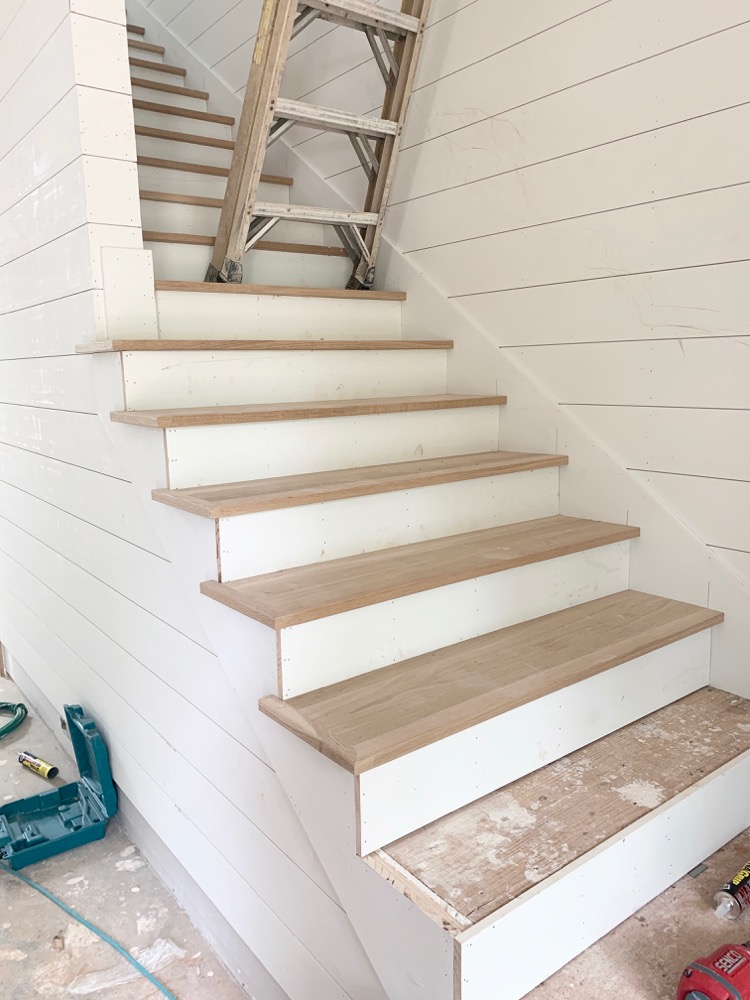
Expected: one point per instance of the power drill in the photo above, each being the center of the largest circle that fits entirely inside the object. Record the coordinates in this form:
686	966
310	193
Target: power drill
722	975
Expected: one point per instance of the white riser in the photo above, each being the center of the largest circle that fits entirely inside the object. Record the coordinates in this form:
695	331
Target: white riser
406	794
199	378
163	97
227	315
185	152
340	646
184	182
173	123
155	74
278	539
205	455
182	262
559	918
172	217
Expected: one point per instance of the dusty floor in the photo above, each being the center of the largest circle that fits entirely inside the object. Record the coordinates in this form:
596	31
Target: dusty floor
112	886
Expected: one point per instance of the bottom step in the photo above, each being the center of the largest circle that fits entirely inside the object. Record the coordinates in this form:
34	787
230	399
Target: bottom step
528	877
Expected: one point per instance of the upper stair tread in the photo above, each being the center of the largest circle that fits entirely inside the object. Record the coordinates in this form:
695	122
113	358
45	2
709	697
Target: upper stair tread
136	29
231	499
489	853
295	291
190	138
204	240
146	47
333	119
168	88
379	716
171	109
362	12
109	346
159	67
205	416
307	593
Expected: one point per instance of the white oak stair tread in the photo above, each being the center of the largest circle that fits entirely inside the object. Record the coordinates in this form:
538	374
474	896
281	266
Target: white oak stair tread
159	67
199	240
249	413
202	168
307	593
255	495
168	88
379	716
186	137
294	291
180	198
146	47
136	29
487	854
114	346
171	109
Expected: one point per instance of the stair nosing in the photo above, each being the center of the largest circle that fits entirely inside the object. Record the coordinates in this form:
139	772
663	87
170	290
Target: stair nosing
424	729
389	588
185	499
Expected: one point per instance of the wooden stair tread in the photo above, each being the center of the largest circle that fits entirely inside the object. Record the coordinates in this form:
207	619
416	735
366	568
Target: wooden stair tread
159	67
187	137
230	499
133	43
136	29
380	716
178	198
487	854
114	346
195	239
168	88
182	165
170	109
307	593
246	413
294	291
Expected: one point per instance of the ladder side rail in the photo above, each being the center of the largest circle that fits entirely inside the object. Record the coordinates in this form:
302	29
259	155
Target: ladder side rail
395	107
264	80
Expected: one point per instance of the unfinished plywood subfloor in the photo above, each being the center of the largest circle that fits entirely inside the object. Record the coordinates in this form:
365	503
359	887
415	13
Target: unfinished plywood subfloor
492	851
109	882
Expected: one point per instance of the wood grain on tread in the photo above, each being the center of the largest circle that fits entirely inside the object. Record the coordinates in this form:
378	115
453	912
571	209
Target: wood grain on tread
489	853
230	499
146	47
182	165
251	413
110	346
168	88
170	109
178	198
136	29
159	67
194	239
293	291
307	593
186	137
377	717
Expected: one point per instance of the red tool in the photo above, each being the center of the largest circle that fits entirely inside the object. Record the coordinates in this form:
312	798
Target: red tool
723	975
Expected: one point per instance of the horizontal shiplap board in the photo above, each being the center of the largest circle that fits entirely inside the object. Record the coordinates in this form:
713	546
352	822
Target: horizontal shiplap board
716	509
75	438
681	84
684	441
698	302
108	503
26	36
48	329
61	383
636	170
690	231
106	123
645	373
106	10
100	54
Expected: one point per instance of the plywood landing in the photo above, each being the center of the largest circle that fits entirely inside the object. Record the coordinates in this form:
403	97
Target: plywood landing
306	593
489	853
377	717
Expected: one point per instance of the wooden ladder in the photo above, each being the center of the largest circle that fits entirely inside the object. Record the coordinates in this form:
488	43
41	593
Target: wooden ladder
395	38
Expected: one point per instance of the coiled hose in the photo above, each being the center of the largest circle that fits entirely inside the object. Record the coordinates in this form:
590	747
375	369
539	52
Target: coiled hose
17	712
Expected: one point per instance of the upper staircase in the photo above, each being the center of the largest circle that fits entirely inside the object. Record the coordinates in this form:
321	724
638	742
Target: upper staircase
469	707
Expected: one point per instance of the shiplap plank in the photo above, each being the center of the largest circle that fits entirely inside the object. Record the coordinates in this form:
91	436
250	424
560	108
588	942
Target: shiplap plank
196	18
61	383
75	438
664	372
106	124
47	329
739	561
26	37
716	509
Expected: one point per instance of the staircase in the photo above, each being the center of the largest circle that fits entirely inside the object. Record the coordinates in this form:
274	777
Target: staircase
498	750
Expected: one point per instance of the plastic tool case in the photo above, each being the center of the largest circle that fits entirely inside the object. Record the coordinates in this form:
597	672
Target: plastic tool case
53	822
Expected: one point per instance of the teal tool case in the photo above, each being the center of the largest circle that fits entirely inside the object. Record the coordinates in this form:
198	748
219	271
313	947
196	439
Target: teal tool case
56	821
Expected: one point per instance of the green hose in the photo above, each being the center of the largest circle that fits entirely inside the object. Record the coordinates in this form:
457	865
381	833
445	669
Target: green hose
18	713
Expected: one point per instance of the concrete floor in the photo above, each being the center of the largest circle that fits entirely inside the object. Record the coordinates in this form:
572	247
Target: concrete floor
112	886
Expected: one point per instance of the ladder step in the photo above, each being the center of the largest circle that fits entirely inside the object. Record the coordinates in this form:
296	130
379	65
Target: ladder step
319	590
354	13
333	120
170	109
253	413
369	720
305	213
159	67
255	495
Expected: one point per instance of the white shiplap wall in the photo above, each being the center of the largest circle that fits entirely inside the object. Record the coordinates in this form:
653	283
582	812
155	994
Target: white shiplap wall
91	609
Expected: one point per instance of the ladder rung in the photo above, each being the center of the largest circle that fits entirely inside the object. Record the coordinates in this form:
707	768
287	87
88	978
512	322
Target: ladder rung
305	213
333	120
360	12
